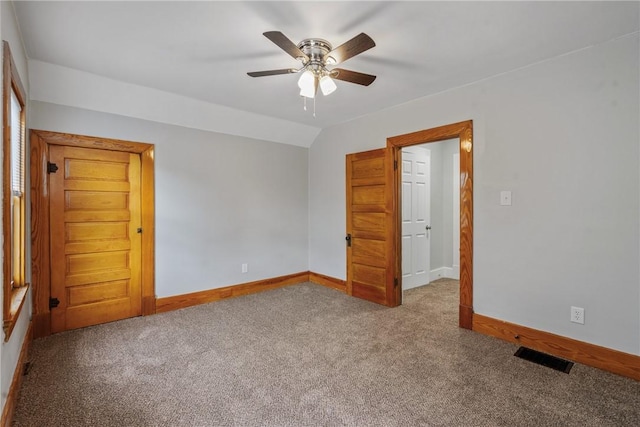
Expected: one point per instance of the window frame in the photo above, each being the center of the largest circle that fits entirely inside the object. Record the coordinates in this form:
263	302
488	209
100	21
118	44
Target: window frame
14	293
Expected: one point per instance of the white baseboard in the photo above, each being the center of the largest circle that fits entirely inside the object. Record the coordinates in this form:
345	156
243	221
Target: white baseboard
446	272
456	272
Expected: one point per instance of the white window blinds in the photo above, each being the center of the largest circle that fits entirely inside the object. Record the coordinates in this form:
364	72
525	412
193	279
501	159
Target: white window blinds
17	147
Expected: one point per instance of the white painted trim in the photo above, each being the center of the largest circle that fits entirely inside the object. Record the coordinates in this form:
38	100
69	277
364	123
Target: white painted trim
455	272
65	86
443	272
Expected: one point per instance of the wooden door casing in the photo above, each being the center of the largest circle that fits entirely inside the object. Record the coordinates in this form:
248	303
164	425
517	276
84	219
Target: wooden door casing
463	131
371	262
40	144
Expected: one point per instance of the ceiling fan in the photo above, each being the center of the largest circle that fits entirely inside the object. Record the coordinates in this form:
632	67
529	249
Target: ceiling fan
317	56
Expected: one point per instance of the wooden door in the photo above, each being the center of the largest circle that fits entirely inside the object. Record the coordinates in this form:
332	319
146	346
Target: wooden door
371	228
95	243
416	216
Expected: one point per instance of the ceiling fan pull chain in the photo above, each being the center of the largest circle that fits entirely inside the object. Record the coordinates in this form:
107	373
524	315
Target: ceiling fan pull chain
314	106
305	103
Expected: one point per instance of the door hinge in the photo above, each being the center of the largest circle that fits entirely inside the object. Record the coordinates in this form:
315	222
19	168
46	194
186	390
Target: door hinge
348	239
53	302
395	165
52	167
395	282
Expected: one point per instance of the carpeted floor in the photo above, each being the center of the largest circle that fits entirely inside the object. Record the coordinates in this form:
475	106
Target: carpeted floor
306	355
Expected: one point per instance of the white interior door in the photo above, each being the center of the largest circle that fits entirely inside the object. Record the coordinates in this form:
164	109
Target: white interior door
416	216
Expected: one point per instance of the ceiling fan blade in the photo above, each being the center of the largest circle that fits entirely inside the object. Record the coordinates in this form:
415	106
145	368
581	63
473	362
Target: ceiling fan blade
349	49
272	72
285	44
352	76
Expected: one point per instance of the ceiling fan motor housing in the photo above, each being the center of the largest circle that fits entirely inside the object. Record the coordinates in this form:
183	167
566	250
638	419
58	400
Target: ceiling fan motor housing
316	50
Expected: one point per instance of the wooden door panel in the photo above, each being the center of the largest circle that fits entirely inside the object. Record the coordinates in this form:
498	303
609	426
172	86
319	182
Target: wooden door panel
88	154
97	186
97	215
369	195
96	200
98	261
369	283
96	170
95	247
368	248
97	313
371	262
364	168
79	232
98	246
85	294
96	277
373	221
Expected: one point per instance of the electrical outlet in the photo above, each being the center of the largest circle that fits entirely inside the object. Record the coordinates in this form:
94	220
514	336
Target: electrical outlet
577	315
245	268
505	198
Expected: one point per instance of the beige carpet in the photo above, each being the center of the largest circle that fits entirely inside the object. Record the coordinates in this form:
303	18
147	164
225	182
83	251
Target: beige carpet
306	355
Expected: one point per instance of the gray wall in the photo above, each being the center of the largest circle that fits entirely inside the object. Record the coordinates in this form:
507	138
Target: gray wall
221	200
436	236
448	149
442	202
563	136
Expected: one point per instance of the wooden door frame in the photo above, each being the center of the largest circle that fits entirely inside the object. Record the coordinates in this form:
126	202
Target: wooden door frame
463	131
40	250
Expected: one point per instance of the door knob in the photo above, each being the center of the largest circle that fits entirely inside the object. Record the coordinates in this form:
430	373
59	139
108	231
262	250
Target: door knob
428	227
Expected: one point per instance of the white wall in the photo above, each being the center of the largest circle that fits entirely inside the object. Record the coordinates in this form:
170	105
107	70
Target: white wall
449	148
436	234
65	86
10	351
442	206
563	136
221	200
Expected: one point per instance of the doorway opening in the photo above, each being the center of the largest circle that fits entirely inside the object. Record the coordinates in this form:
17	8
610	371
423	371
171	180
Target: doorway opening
430	213
463	132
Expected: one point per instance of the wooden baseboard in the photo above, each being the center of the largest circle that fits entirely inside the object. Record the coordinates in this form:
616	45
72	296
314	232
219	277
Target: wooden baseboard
187	300
16	382
148	306
41	325
607	359
330	282
465	316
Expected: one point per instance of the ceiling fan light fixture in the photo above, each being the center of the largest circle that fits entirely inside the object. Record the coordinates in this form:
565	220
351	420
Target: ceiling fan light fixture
327	85
308	93
315	54
307	84
306	79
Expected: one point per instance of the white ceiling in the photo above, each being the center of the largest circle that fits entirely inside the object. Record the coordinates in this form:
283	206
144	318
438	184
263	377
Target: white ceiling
203	50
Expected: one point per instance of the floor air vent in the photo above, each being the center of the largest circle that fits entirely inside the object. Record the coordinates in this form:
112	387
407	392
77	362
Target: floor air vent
544	359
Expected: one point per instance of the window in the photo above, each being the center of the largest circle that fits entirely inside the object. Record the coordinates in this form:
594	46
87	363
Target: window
13	192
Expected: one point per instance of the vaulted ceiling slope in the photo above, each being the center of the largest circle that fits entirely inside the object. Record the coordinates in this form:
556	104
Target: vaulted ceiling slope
203	50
